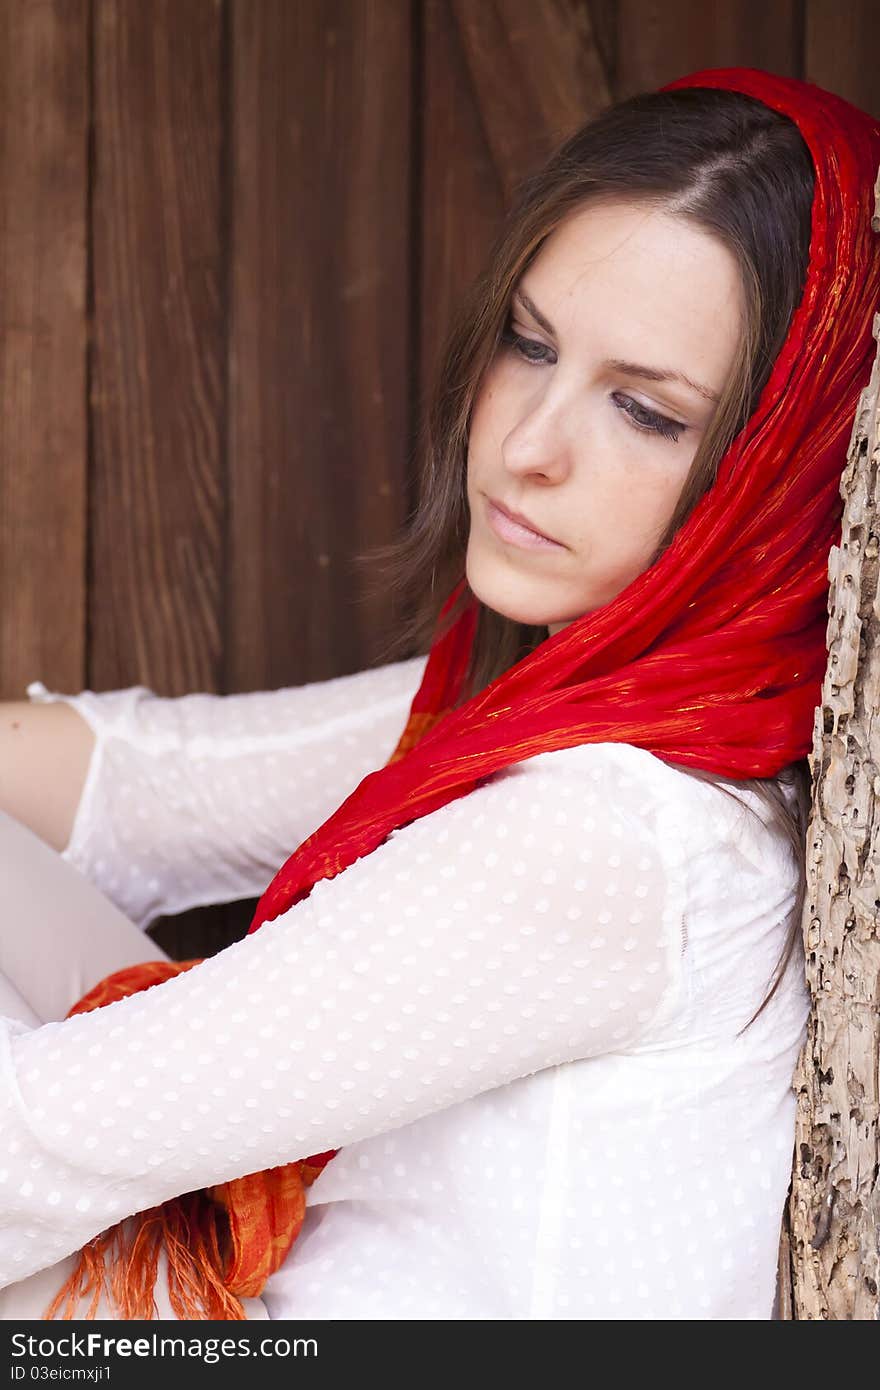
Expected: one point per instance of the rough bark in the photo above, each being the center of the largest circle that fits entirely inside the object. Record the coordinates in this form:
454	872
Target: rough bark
830	1249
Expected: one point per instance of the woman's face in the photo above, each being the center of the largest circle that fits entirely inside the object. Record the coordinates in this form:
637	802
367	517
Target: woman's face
582	422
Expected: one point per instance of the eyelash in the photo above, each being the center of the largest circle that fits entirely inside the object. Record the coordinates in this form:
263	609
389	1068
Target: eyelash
648	421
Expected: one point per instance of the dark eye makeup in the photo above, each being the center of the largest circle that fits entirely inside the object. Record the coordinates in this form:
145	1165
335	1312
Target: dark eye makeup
648	421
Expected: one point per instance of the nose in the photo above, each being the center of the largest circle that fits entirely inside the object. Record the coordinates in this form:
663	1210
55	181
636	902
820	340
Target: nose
539	444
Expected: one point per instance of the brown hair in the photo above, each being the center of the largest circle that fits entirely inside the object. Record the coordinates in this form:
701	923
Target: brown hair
725	163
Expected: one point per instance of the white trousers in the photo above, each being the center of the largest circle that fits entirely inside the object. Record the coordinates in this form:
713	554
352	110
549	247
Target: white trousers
58	937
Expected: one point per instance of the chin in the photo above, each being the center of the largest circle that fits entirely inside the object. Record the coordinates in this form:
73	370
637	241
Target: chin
513	596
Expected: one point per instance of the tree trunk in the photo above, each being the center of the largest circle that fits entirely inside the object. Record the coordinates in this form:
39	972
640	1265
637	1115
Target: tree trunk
830	1249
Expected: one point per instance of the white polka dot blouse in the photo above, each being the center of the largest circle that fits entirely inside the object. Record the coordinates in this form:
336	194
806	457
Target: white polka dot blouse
517	1019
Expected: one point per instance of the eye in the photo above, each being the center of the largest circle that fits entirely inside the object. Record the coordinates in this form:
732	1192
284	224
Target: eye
639	416
644	419
522	345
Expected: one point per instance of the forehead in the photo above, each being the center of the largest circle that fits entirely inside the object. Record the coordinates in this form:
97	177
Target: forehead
636	254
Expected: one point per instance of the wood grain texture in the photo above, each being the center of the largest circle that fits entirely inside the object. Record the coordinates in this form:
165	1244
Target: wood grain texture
659	40
158	376
44	78
535	75
603	19
320	330
462	194
839	40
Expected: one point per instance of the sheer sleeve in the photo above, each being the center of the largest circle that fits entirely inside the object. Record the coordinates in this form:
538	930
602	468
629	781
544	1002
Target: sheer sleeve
534	921
199	799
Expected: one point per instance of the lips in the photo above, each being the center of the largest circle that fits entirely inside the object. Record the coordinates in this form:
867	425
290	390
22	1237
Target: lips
517	533
522	520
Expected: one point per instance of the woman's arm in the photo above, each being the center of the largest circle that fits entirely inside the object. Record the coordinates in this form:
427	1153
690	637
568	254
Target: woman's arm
534	921
44	758
199	799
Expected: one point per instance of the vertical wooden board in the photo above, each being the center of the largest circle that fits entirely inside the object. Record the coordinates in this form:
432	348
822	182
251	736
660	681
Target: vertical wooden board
535	74
503	84
319	330
158	393
659	40
43	164
462	192
842	42
603	15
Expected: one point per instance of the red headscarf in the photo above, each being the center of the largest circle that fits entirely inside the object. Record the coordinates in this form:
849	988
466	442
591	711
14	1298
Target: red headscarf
712	658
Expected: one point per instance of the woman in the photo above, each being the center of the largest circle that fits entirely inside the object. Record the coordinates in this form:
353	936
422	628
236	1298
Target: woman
510	1000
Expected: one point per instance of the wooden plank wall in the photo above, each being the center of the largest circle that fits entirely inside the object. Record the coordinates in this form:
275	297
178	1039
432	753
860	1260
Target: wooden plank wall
320	321
44	115
158	382
232	236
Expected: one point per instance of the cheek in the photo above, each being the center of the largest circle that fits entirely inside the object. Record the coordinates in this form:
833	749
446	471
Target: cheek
493	411
481	427
621	511
656	493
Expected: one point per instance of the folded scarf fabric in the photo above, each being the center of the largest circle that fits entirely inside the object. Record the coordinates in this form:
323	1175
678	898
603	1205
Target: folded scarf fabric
713	658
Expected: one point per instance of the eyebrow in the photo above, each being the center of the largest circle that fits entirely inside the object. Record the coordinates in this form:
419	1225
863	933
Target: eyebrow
628	368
